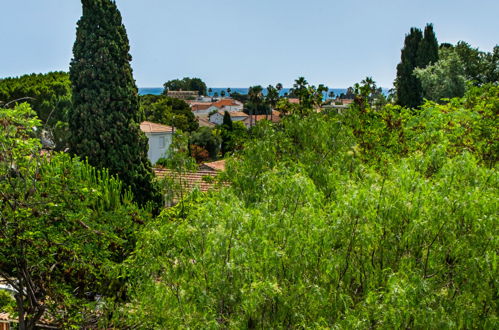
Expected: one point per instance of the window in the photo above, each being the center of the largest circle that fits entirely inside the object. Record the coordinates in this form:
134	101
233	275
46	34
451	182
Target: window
162	142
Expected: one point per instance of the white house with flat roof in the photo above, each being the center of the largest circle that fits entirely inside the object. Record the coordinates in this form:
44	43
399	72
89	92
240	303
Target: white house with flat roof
160	138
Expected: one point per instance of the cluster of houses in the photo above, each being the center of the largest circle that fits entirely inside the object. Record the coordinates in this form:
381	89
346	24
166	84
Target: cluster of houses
210	113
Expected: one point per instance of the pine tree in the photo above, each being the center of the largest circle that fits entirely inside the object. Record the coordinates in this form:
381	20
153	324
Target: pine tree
105	118
409	92
428	48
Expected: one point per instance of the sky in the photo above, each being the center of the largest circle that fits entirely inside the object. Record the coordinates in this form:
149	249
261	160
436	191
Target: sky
239	43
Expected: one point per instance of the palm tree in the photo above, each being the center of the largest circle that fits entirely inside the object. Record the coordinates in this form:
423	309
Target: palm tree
278	86
300	87
272	98
255	95
228	91
222	93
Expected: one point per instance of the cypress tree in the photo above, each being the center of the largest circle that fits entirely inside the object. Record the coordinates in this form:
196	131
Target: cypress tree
105	117
227	121
227	129
428	48
409	91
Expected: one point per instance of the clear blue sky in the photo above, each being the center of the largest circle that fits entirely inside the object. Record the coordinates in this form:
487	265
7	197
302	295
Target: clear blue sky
239	43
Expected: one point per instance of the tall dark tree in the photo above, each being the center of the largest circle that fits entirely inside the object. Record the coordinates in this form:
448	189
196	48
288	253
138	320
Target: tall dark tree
428	48
226	131
409	91
105	117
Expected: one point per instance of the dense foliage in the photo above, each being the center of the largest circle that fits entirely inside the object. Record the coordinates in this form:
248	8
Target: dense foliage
105	116
364	219
168	111
480	67
207	139
64	226
186	84
49	95
443	79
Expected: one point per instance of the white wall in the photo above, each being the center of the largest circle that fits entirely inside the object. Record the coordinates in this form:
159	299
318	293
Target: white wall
217	118
159	143
232	108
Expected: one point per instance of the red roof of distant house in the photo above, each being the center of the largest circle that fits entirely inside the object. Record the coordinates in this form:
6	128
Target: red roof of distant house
346	101
149	127
204	121
225	103
219	165
294	101
189	180
234	113
276	117
200	106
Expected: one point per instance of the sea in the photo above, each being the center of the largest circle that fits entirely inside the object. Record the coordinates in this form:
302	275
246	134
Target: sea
218	90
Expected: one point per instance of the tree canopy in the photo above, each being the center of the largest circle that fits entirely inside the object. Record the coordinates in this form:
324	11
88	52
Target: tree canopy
168	111
48	94
443	79
186	84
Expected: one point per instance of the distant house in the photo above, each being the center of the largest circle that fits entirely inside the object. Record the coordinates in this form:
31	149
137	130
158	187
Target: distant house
229	105
204	108
275	118
183	95
218	118
204	121
201	108
160	138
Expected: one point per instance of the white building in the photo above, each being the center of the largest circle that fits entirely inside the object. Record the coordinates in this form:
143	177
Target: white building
230	105
160	138
218	118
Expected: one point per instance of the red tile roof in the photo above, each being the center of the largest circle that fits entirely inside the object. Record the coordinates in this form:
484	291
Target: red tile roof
204	121
235	113
190	180
226	103
276	117
148	127
219	165
200	106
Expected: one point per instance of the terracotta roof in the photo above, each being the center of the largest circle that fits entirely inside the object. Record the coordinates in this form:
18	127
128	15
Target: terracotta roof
204	121
276	117
148	127
219	165
294	100
190	180
226	102
200	106
234	113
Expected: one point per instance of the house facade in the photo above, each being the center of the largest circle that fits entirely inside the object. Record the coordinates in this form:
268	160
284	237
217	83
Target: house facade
218	118
160	138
